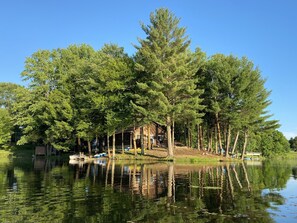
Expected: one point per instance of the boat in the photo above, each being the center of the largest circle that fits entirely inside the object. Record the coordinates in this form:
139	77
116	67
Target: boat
100	155
77	162
79	156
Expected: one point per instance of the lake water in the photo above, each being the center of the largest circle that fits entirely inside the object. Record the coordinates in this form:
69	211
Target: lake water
43	190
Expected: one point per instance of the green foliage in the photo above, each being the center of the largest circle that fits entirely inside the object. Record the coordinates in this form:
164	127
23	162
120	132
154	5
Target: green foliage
73	92
235	99
273	143
78	92
166	85
293	143
45	112
5	127
9	94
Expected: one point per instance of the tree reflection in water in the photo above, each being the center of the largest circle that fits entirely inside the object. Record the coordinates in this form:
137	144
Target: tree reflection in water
147	192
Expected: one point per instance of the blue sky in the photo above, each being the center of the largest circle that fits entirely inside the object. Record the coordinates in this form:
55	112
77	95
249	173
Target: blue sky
263	30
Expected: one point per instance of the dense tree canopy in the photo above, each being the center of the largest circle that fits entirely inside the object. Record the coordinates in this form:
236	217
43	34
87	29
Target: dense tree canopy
235	101
293	143
79	93
273	142
5	127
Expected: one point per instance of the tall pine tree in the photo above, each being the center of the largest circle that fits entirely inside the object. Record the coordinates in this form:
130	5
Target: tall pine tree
167	74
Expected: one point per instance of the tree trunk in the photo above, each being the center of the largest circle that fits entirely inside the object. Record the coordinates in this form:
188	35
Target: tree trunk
131	140
97	142
89	148
219	134
246	176
235	142
201	138
112	173
216	140
236	177
149	145
141	180
107	142
228	140
157	134
113	145
170	185
210	141
169	139
107	172
244	145
100	146
134	180
79	144
230	181
121	181
123	149
88	170
148	181
189	137
198	137
225	133
173	146
134	141
185	135
141	140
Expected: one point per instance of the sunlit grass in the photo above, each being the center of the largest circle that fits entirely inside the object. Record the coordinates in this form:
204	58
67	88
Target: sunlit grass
197	159
292	155
130	156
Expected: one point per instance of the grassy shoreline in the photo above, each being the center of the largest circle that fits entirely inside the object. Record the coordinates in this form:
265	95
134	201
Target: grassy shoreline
182	155
290	155
192	156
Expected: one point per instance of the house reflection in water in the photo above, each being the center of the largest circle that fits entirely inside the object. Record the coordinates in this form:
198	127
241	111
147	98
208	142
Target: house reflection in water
147	180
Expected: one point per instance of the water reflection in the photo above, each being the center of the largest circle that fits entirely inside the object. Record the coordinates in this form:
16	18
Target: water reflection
105	191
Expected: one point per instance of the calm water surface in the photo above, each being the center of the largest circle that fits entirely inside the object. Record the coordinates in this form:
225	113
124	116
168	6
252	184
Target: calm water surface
43	190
